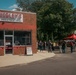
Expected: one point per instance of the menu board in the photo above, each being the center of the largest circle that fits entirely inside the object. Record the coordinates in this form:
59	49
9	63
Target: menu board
29	51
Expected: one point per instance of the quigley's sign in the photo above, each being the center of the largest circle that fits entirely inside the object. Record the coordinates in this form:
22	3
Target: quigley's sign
11	17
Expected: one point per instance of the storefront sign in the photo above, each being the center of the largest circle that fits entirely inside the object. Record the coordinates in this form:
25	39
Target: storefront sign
11	17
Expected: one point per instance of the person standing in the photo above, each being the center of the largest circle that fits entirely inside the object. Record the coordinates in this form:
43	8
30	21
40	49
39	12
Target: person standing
52	46
49	46
63	46
40	45
71	46
44	45
60	46
74	45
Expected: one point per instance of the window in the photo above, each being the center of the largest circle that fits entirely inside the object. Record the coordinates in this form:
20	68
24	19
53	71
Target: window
8	32
22	38
1	38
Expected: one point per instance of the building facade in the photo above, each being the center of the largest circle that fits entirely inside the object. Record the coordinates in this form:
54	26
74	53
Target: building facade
17	32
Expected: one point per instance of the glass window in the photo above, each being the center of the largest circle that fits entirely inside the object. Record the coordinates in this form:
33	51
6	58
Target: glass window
1	38
22	38
8	32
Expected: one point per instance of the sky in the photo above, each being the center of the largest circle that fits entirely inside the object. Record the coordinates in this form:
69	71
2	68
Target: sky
7	4
11	4
73	2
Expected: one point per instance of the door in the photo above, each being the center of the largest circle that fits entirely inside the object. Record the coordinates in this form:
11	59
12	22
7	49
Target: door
8	45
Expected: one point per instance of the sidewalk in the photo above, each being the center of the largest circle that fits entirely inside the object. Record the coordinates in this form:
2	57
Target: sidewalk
9	59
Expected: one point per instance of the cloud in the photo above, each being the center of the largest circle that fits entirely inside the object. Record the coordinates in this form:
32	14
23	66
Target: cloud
13	9
13	6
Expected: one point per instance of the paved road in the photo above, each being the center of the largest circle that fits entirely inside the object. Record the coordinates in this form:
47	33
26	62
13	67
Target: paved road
61	64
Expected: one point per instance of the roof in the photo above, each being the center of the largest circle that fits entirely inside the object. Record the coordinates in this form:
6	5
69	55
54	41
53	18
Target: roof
18	11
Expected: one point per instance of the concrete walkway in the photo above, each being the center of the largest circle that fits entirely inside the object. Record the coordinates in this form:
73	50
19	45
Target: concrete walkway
9	59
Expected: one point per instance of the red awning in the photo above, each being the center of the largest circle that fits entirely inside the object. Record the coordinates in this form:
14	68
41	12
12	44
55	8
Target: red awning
70	37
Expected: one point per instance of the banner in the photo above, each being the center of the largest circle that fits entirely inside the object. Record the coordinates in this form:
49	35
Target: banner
11	17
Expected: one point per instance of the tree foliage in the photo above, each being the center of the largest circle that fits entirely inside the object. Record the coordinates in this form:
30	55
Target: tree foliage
24	4
74	16
55	18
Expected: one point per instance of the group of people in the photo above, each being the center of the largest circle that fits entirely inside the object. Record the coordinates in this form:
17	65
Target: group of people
46	46
63	45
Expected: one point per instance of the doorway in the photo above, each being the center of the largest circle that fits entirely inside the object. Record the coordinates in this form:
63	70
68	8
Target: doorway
8	44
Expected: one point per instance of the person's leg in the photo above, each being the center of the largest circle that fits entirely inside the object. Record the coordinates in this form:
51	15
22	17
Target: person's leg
48	49
71	49
63	50
60	49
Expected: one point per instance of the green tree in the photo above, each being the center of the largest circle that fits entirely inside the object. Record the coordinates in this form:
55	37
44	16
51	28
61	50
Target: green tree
74	17
24	4
36	5
55	18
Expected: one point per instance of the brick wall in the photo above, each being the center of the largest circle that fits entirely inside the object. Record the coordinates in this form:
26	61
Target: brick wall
1	51
28	24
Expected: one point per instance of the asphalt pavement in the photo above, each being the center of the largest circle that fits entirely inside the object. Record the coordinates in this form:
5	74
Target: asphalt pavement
60	64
